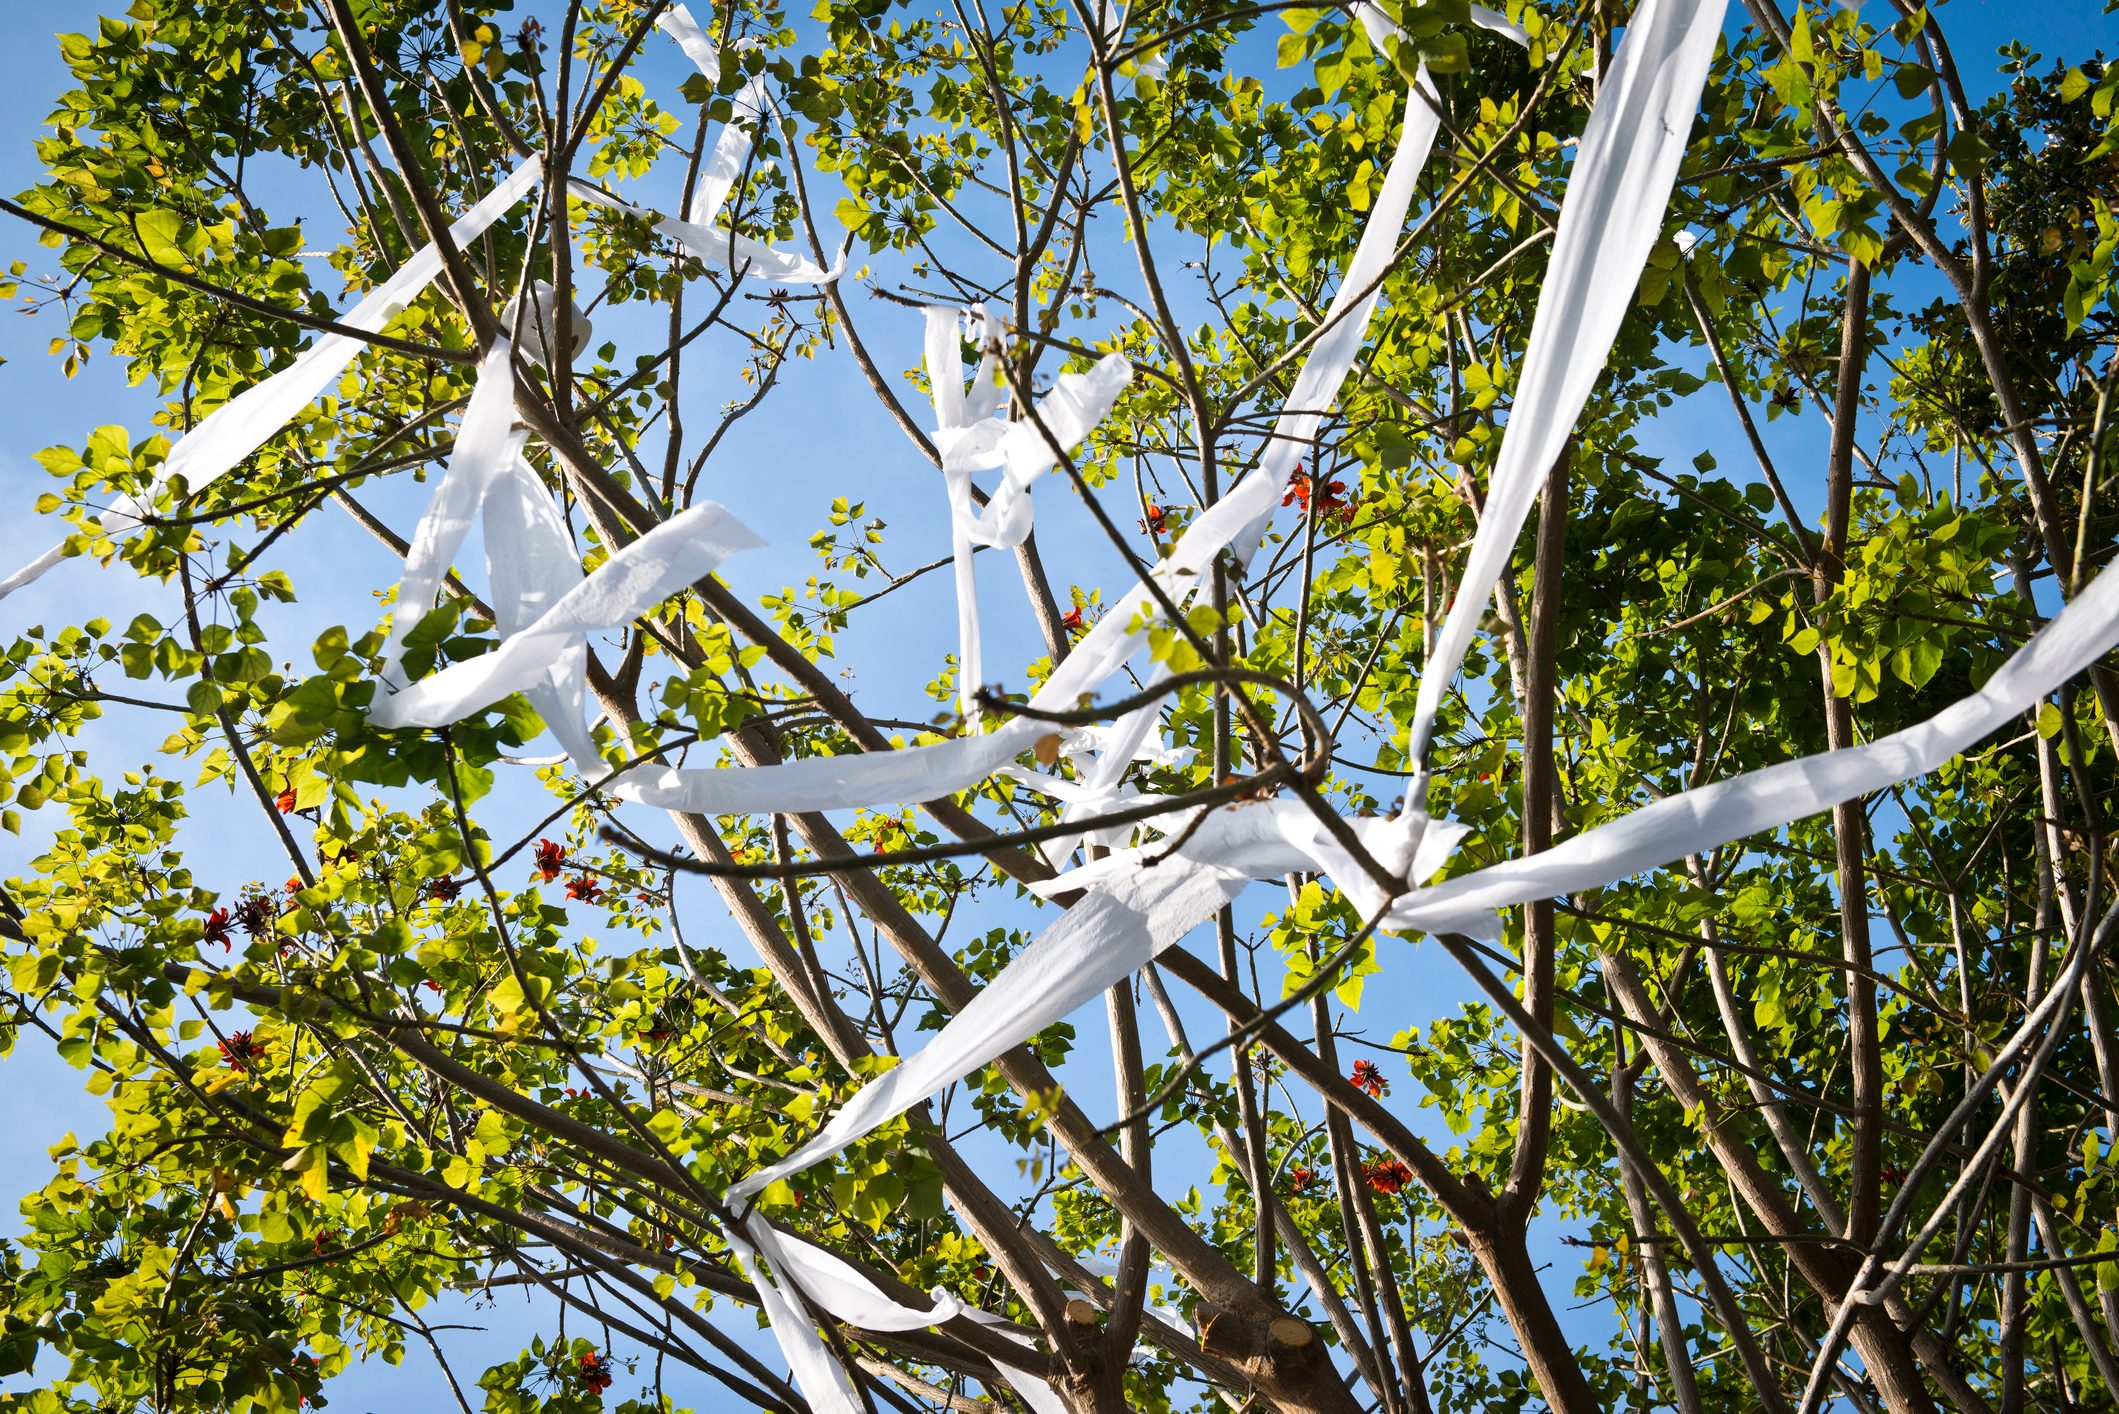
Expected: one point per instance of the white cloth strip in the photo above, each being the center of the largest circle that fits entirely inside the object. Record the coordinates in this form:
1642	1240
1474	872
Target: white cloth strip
1103	939
968	437
1346	324
680	551
816	1369
1381	28
724	166
1766	799
721	248
530	566
1609	221
945	378
1265	839
1077	402
487	441
1036	1393
678	24
1113	750
1111	26
247	421
1139	903
837	1286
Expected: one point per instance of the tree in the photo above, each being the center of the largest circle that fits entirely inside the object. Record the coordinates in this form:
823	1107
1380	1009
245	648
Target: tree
1816	1110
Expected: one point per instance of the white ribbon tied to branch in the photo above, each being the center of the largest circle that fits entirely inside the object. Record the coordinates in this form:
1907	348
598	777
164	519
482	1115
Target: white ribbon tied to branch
970	436
247	421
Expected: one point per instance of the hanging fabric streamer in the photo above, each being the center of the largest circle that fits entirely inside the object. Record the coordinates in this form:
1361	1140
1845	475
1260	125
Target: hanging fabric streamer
247	421
730	251
724	166
678	24
1609	221
970	437
1023	453
675	554
1346	322
954	418
1137	905
817	1371
530	566
1107	936
739	255
1732	809
487	440
1111	28
840	1287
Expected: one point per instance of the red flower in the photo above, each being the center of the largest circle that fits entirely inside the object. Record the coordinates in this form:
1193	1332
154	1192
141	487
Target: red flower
1387	1175
1330	496
256	914
217	927
294	885
284	801
1152	523
656	1034
1073	618
1300	1180
595	1372
583	887
1367	1077
241	1052
551	859
444	890
325	1242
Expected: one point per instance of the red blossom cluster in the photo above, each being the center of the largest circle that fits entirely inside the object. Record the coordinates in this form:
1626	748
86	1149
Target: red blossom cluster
1387	1175
1301	1180
1329	496
1367	1077
257	914
217	927
444	890
595	1372
242	1050
284	801
585	888
1154	521
325	1242
1072	619
551	860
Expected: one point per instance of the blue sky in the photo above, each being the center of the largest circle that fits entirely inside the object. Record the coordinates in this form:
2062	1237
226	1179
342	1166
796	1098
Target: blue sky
780	483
